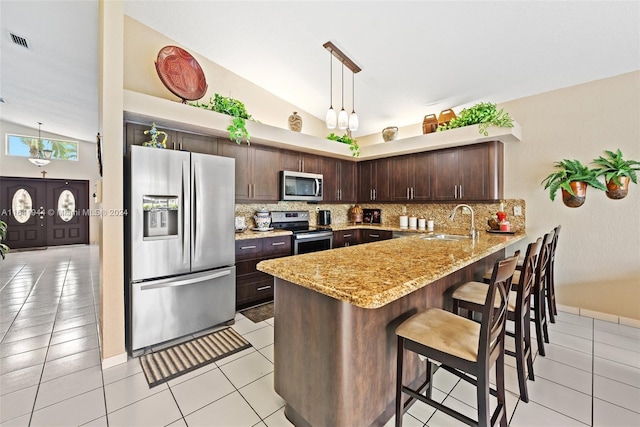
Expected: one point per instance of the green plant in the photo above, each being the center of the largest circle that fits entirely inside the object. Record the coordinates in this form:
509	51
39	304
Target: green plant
345	139
484	114
231	107
570	171
615	166
3	235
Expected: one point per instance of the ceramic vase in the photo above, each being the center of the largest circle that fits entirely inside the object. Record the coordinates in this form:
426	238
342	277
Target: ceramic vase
295	122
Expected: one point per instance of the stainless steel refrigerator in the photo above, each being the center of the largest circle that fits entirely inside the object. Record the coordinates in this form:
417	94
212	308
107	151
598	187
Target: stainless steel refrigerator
182	251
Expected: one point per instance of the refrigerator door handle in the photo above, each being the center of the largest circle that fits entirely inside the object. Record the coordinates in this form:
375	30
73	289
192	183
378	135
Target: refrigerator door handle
172	283
186	226
195	238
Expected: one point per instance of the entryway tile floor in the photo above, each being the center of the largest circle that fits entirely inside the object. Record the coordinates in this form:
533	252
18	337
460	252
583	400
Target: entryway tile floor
50	366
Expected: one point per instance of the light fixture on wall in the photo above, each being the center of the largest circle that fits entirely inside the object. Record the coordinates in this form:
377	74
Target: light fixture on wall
39	157
343	121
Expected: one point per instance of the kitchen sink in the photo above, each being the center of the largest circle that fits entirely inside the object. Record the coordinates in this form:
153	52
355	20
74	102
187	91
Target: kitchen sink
446	237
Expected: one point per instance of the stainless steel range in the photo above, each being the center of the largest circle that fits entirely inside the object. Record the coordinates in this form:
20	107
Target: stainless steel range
305	238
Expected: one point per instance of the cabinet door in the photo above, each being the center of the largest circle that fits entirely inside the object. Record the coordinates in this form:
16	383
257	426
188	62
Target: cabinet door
265	169
366	181
311	163
382	179
367	235
331	180
481	171
347	181
399	171
136	136
444	175
420	177
241	153
290	161
197	143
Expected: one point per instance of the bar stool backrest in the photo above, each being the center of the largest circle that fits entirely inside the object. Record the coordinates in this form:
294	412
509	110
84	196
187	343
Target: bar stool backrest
494	316
527	276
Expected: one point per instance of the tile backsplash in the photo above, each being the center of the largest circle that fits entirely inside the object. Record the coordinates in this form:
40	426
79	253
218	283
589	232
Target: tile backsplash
391	212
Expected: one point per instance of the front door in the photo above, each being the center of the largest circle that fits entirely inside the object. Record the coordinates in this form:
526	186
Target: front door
44	212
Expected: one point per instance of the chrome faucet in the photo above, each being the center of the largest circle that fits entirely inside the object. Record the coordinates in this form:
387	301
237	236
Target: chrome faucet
472	231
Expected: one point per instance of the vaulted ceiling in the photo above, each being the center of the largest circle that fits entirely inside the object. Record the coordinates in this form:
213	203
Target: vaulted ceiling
417	57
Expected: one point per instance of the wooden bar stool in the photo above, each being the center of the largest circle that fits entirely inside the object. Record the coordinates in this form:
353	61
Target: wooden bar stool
472	295
463	347
550	284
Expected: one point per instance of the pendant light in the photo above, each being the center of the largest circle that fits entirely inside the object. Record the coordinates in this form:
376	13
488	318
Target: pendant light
331	119
343	117
353	118
42	158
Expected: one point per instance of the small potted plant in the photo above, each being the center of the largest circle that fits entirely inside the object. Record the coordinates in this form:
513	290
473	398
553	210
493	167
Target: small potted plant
234	108
617	173
346	139
573	178
3	235
484	114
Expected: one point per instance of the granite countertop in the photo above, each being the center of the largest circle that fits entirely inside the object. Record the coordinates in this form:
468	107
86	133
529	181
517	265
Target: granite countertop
250	234
375	274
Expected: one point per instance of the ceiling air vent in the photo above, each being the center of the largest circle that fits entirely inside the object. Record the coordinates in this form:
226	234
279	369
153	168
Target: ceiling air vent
20	41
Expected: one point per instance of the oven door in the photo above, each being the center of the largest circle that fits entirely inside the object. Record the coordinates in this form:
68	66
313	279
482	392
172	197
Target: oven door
304	243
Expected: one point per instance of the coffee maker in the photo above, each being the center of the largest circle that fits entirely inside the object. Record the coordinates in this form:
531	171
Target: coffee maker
324	217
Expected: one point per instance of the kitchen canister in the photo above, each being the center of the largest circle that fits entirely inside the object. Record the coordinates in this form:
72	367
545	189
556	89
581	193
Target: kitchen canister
430	224
413	221
262	218
422	223
404	221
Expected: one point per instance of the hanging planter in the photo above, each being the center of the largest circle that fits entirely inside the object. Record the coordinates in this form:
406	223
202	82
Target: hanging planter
573	178
617	173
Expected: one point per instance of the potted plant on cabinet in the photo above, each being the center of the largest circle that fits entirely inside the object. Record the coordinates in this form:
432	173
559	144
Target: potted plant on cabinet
3	235
617	173
231	107
573	178
484	114
346	139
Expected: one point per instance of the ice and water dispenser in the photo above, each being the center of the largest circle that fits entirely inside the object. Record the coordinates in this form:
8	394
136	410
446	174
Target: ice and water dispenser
160	217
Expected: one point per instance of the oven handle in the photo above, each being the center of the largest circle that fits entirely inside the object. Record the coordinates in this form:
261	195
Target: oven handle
313	235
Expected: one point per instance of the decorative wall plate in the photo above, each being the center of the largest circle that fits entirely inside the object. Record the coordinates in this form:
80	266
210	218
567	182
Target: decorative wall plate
181	73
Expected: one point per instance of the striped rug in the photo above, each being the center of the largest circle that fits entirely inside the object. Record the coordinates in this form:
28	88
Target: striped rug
164	365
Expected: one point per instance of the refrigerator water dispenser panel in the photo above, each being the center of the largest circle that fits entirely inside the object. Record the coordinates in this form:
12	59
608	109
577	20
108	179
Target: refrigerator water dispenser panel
160	217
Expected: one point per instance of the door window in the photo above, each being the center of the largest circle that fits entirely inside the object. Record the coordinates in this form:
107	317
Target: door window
21	205
66	205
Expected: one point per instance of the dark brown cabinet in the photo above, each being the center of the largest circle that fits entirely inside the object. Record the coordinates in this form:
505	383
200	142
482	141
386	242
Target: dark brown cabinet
470	173
346	238
300	162
176	140
339	180
410	177
371	235
374	181
257	170
252	286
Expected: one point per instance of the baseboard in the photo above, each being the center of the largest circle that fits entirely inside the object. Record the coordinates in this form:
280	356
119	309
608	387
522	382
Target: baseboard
627	321
112	361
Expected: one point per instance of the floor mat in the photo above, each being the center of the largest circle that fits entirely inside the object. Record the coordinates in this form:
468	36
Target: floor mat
169	363
259	313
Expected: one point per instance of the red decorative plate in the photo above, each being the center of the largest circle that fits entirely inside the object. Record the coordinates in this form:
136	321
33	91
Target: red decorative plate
181	73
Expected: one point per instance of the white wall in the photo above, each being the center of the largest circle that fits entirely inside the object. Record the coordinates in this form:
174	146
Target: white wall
598	258
86	168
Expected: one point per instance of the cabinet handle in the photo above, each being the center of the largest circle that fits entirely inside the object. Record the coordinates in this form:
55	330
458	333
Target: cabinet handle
370	194
413	193
339	193
247	247
374	235
263	288
407	193
277	244
461	191
346	244
180	145
455	191
174	145
302	161
346	235
375	194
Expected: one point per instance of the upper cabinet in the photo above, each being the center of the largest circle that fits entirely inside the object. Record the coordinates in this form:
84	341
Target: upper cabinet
257	171
374	181
339	180
470	173
410	177
300	162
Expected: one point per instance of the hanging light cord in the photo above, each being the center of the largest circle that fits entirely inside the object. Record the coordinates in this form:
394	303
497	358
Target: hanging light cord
353	93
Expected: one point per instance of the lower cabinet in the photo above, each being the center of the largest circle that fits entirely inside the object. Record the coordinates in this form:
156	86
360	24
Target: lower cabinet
252	286
357	236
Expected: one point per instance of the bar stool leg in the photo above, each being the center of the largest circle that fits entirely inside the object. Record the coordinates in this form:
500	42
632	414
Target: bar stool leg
520	356
399	371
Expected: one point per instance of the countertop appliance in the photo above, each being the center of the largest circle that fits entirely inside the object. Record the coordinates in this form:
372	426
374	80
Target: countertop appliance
305	238
181	256
300	186
324	217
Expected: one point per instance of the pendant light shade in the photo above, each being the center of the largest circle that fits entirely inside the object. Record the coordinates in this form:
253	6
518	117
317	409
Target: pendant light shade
331	118
353	118
343	117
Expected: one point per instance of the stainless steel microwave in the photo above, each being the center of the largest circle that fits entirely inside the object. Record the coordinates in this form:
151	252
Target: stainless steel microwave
300	186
